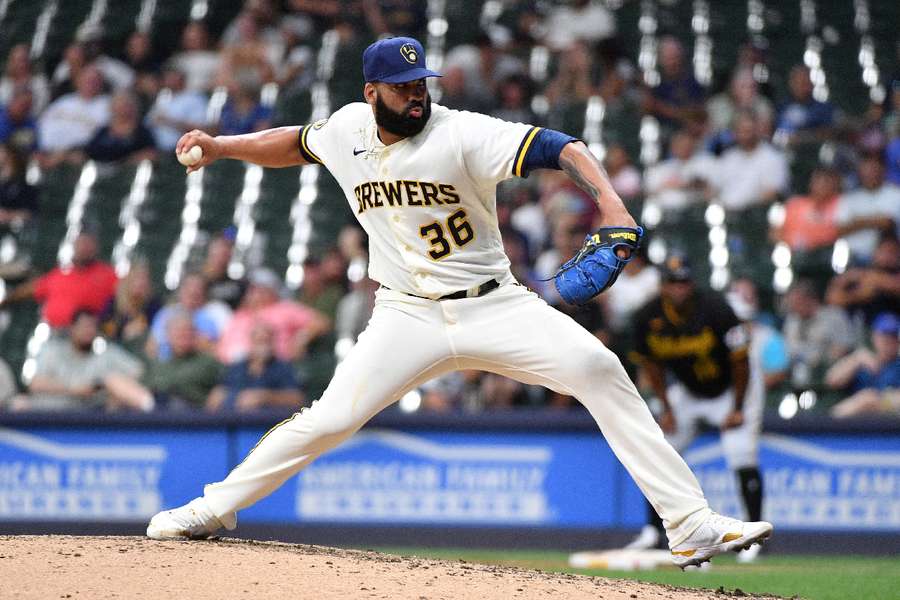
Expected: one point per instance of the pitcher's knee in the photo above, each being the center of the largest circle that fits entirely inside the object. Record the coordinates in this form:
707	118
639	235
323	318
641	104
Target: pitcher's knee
597	365
335	425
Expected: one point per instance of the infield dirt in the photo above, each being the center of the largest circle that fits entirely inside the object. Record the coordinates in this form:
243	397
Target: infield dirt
95	568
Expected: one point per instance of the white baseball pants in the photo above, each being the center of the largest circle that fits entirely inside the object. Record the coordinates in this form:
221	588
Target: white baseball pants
739	444
510	331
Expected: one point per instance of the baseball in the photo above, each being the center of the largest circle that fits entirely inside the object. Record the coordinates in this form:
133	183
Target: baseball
191	157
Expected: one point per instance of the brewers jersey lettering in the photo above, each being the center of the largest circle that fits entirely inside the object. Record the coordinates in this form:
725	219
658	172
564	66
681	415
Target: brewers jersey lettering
427	202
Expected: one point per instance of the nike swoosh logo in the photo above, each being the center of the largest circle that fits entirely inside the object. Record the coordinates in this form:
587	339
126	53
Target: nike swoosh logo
356	152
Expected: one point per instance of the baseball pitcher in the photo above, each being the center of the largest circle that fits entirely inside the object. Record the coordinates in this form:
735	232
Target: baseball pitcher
421	180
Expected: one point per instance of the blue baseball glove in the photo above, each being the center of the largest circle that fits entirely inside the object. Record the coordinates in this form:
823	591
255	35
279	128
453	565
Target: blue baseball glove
596	266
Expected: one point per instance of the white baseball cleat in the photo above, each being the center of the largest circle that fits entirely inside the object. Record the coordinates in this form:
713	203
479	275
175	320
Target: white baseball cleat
193	521
716	535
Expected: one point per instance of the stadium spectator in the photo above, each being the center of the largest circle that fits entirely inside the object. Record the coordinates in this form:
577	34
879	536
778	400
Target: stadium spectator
183	381
742	95
868	211
636	285
752	173
578	21
681	179
803	118
258	381
197	60
87	284
296	70
72	372
17	127
125	138
128	315
568	91
19	74
75	62
190	299
515	100
809	221
768	351
295	325
18	199
816	334
455	91
177	111
243	112
870	290
395	17
871	376
248	56
263	13
623	175
72	120
484	66
677	93
139	56
89	39
892	159
318	290
221	286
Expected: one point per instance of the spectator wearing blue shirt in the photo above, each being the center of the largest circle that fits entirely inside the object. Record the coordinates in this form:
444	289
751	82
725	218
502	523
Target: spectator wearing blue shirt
125	138
243	112
191	299
17	128
873	376
678	95
177	111
259	381
803	118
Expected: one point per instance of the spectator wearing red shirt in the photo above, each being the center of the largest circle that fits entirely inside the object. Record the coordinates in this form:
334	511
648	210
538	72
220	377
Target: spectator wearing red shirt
809	221
294	324
87	284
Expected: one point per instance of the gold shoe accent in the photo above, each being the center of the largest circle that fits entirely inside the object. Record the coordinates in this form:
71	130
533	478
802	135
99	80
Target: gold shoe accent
730	537
683	552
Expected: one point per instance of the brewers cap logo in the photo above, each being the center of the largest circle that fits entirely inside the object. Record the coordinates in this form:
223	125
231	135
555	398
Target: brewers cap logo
409	53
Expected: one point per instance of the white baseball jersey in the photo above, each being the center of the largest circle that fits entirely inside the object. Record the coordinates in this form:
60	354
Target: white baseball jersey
427	202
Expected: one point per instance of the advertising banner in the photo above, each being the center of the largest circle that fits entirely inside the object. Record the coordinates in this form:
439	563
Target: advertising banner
83	475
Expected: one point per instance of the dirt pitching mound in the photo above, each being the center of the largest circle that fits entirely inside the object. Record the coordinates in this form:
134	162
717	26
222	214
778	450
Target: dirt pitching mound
95	568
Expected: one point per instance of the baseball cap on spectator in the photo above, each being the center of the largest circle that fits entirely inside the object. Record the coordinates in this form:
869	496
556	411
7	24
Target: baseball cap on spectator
677	267
886	323
395	60
265	278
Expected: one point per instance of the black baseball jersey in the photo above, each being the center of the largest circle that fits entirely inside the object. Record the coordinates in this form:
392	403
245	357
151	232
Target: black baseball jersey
694	344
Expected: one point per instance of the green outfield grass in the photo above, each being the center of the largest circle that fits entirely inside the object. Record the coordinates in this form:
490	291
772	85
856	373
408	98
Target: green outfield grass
807	577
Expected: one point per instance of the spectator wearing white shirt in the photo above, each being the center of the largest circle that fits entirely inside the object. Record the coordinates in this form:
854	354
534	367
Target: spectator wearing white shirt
176	111
71	121
752	173
19	73
679	181
868	211
90	38
196	60
580	20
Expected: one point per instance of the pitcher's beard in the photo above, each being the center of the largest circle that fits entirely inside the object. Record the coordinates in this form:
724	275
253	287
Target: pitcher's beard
400	123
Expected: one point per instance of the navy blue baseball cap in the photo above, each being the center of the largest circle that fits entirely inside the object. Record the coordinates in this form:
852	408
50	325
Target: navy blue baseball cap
395	60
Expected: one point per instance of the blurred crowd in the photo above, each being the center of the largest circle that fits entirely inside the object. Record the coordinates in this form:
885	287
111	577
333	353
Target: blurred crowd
223	343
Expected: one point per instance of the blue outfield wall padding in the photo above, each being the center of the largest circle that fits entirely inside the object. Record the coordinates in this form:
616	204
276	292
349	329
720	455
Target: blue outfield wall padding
521	472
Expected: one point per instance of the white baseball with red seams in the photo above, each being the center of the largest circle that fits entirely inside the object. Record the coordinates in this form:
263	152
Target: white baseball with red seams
428	205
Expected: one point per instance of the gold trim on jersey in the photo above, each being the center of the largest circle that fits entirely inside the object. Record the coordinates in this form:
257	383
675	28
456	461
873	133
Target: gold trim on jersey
305	152
519	159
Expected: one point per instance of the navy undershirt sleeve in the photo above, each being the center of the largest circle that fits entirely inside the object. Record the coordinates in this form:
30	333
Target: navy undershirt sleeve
543	152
